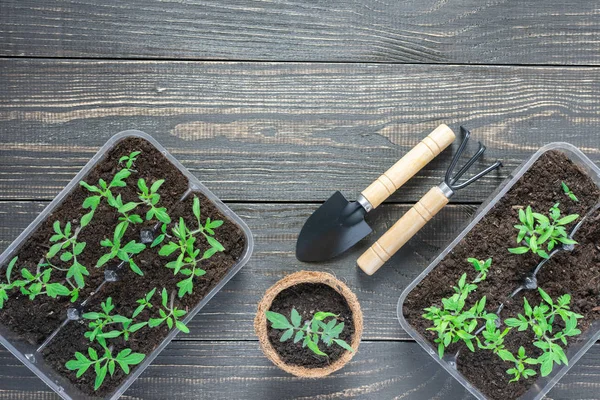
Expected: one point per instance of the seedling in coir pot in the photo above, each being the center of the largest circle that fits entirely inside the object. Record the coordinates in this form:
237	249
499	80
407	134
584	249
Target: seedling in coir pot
540	234
104	325
310	332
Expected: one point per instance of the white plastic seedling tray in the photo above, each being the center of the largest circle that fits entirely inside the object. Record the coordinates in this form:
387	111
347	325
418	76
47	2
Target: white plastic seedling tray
31	355
542	385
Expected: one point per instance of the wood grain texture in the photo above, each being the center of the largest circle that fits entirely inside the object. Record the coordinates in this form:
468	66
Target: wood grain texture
415	31
230	314
284	132
238	370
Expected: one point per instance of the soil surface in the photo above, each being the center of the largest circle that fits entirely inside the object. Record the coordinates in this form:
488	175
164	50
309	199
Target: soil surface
307	299
44	315
576	272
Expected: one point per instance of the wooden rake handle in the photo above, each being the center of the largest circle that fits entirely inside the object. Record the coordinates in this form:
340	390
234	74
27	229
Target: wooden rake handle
410	164
402	231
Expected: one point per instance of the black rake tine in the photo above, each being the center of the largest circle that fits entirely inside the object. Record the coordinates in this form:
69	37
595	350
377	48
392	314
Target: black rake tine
457	156
481	174
469	163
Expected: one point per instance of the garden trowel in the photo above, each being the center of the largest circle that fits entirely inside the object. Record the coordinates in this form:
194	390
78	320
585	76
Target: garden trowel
339	224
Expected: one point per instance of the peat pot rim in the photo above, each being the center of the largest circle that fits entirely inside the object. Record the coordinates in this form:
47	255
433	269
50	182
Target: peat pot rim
260	322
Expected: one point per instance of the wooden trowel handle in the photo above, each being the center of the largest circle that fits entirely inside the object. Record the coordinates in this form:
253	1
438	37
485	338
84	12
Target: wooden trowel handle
410	164
402	231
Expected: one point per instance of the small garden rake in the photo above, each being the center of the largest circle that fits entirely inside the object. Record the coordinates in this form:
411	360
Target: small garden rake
424	210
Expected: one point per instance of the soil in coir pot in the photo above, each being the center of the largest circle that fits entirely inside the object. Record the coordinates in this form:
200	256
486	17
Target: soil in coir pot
307	299
576	273
44	314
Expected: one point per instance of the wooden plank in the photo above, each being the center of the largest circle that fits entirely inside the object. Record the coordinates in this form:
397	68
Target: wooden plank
238	370
283	132
275	227
471	31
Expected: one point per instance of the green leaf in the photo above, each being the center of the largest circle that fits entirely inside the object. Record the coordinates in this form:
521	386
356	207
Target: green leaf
104	259
519	250
209	253
168	249
343	344
91	188
527	307
181	326
91	315
165	297
134	247
158	240
546	367
66	256
286	335
542	254
215	224
78	248
278	321
27	275
214	243
529	216
56	227
127	207
137	327
185	287
506	355
119	177
299	336
315	349
464	335
54	249
9	269
320	316
77	271
481	305
92	353
110	335
544	236
545	296
542	219
196	207
154	322
533	244
296	318
134	267
522	216
56	289
161	215
91	202
567	220
178	263
142	185
156	185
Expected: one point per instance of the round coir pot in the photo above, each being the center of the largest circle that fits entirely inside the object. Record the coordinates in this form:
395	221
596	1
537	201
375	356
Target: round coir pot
309	292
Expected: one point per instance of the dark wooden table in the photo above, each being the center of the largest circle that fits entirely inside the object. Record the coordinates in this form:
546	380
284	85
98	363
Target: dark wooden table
274	105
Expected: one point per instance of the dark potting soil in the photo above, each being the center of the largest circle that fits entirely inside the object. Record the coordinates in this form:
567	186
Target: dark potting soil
307	299
44	314
576	272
